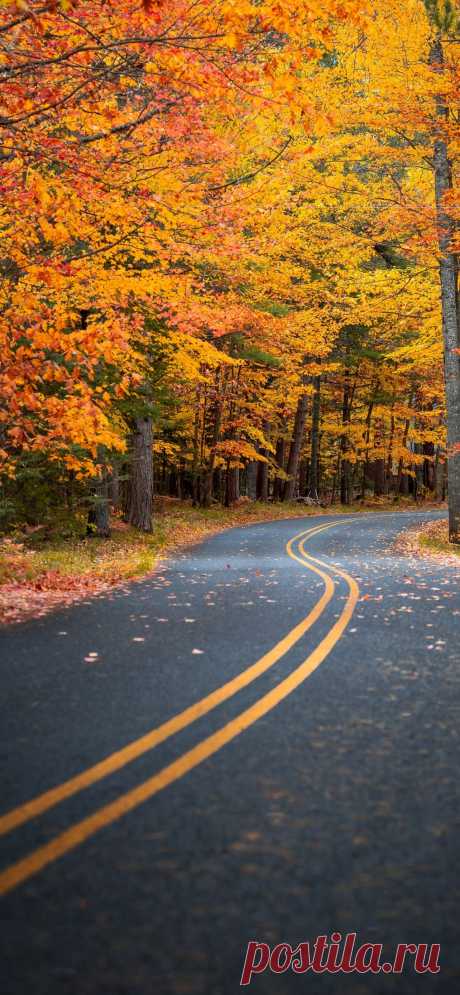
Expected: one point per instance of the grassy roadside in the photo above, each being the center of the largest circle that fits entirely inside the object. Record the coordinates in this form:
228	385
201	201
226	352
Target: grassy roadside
45	567
431	539
434	538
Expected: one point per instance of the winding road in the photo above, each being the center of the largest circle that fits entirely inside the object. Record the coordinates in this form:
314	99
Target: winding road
259	742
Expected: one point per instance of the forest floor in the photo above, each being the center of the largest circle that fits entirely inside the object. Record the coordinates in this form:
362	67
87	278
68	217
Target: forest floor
430	539
44	566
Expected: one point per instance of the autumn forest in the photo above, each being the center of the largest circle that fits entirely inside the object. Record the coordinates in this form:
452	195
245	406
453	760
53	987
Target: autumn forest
229	267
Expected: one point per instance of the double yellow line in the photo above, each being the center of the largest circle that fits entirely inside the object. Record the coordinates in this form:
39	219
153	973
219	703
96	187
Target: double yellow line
81	831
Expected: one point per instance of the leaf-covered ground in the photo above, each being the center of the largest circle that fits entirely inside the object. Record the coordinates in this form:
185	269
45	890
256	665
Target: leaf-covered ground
42	568
430	539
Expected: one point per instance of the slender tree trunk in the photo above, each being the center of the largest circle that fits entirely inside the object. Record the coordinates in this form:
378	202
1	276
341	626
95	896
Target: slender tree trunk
418	467
428	465
389	470
125	489
280	458
216	425
114	485
69	491
379	477
440	478
449	300
399	478
232	486
141	491
232	476
367	440
251	479
262	469
313	485
99	512
295	448
262	482
404	485
179	484
196	450
335	480
303	477
345	469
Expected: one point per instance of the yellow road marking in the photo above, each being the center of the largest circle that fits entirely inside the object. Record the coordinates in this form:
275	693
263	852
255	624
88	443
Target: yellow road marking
42	803
81	831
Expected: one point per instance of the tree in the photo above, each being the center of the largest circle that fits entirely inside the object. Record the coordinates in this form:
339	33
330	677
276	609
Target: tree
448	274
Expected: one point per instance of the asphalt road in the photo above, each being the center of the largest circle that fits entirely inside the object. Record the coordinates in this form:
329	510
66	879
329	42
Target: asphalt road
319	793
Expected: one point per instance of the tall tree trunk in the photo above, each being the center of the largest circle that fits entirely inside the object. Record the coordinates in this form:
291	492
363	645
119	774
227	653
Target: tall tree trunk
303	477
232	486
449	300
378	465
345	468
379	477
180	480
251	479
399	480
367	440
216	425
280	458
418	468
404	485
440	478
140	507
99	512
295	447
335	480
232	476
262	469
313	486
428	465
389	470
196	449
262	482
114	484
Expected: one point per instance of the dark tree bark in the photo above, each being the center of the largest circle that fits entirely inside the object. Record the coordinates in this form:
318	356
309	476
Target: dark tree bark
335	480
280	458
365	477
232	476
313	484
140	506
295	447
232	486
428	466
218	486
448	272
180	480
99	512
262	469
196	451
345	467
440	478
402	480
303	477
379	477
404	487
251	479
418	468
216	425
114	485
262	482
389	465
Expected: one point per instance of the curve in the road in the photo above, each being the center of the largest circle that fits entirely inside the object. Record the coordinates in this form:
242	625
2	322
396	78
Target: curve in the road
36	861
48	799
